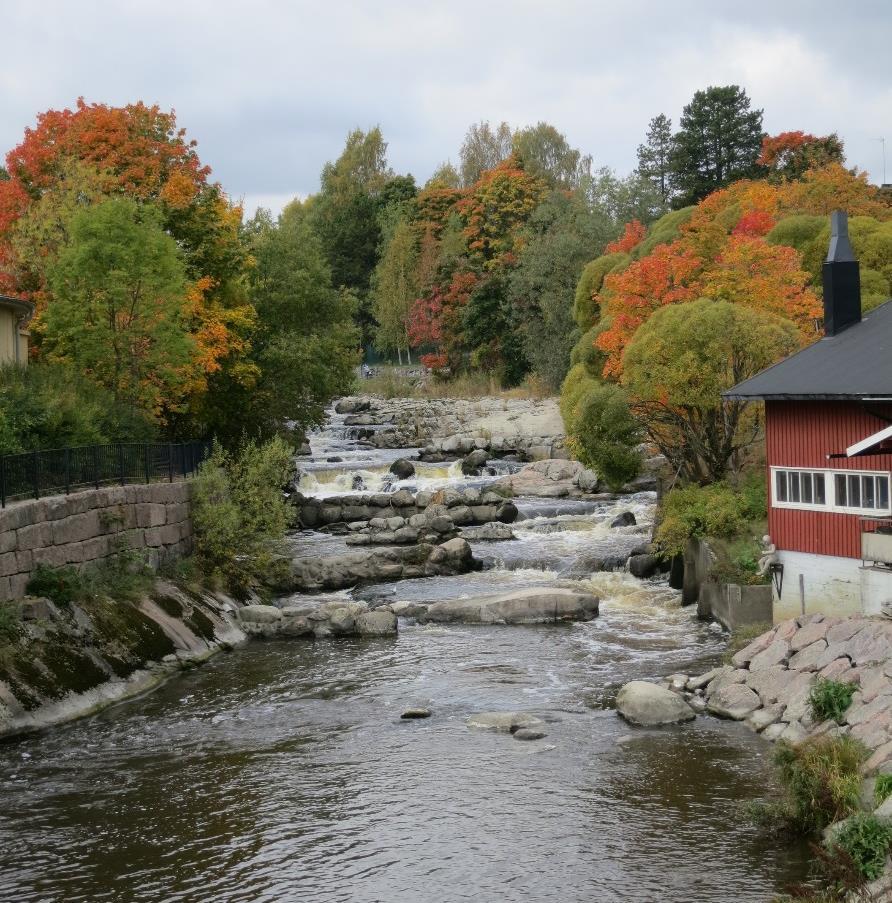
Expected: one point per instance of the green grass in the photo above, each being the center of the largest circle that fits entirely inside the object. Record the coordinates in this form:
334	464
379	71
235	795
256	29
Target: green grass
829	699
867	840
883	788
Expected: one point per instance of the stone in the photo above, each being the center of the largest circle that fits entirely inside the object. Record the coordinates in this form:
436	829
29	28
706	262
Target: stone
773	654
379	622
538	605
507	512
806	659
735	702
773	731
697	683
504	722
844	630
402	469
410	714
839	669
884	810
793	733
471	463
809	634
726	679
859	711
878	759
762	718
260	614
643	566
626	519
647	704
677	682
587	480
494	531
38	608
528	733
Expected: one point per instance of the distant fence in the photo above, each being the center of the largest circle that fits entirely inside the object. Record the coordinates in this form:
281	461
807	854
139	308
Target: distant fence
40	473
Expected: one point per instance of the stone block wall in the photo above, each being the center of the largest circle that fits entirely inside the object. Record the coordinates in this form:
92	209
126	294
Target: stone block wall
85	527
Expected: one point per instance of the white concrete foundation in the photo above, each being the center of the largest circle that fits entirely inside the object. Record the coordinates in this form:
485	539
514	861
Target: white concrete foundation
831	585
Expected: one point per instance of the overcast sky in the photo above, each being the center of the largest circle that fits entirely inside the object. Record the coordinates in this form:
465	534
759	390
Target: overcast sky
270	88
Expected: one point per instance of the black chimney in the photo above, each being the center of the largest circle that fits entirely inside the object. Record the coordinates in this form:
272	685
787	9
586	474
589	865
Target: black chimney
842	281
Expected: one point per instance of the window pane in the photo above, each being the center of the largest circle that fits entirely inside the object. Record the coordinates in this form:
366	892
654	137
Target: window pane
867	485
839	482
854	492
794	486
820	496
883	493
805	483
780	484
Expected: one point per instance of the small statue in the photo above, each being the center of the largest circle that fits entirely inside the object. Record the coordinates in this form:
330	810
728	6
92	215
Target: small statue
768	556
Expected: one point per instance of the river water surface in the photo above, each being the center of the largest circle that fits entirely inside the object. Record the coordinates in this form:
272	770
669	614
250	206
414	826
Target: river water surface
283	771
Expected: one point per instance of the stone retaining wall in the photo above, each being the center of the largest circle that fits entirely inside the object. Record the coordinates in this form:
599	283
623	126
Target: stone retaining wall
88	526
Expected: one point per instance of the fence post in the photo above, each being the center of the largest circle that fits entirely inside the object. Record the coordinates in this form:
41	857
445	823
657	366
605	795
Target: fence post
170	462
3	481
183	455
121	461
67	471
96	465
146	450
36	474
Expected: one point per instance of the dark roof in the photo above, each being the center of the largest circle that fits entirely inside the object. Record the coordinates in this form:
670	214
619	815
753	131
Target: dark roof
854	363
23	307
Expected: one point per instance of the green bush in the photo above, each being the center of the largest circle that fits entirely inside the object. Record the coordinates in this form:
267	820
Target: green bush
240	513
124	576
867	839
822	779
830	699
53	406
61	585
883	788
10	623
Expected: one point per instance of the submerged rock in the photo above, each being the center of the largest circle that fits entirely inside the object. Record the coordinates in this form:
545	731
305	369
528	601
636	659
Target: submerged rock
419	712
505	722
646	704
528	733
492	531
538	605
626	519
402	469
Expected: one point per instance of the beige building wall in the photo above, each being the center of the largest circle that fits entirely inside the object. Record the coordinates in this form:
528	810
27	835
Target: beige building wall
13	339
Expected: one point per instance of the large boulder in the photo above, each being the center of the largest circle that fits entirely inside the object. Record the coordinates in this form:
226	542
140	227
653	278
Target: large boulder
380	622
505	722
734	701
643	566
646	704
402	469
472	462
539	605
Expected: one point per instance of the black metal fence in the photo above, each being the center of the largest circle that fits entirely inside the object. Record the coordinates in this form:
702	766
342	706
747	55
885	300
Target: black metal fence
39	473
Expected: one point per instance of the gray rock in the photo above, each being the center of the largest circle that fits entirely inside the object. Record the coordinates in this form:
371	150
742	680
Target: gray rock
773	654
806	659
507	512
587	480
471	464
38	608
540	605
735	702
492	531
647	704
626	519
697	683
505	722
416	713
402	468
529	733
379	622
260	614
643	566
762	718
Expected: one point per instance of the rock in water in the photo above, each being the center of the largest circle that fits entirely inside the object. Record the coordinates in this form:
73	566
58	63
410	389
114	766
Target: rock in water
643	566
416	713
626	519
471	464
647	704
402	469
505	722
540	605
529	733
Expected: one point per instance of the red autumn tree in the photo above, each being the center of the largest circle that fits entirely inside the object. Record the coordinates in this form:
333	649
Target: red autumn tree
790	155
632	236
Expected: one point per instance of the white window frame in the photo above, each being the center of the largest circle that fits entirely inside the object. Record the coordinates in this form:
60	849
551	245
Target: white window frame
830	504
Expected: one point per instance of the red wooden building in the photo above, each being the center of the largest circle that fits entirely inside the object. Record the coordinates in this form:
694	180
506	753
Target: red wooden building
828	432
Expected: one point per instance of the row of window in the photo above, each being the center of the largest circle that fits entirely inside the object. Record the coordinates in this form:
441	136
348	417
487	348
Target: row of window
827	490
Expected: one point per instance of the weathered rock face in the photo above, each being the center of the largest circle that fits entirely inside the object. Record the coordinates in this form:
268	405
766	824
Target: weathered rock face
647	704
311	574
533	606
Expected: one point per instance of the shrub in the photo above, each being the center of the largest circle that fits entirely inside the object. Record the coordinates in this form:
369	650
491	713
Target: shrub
830	699
240	513
695	512
61	585
867	840
123	576
883	788
10	623
822	779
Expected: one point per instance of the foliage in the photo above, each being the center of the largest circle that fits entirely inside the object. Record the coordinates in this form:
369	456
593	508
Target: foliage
119	309
546	153
46	406
822	778
676	368
696	512
586	310
124	576
718	142
790	155
484	148
867	839
883	788
830	699
395	287
654	155
10	623
240	514
604	435
633	235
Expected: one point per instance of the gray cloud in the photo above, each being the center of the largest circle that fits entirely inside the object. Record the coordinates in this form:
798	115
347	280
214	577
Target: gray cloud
270	89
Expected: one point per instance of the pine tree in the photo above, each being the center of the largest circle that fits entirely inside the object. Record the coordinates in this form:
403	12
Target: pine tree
653	157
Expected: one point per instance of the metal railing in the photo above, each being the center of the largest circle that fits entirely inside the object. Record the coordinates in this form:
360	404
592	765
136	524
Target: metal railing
39	473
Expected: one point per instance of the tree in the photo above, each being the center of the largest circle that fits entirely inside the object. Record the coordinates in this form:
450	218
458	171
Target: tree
395	288
654	155
119	305
718	142
444	176
790	155
546	153
483	149
677	366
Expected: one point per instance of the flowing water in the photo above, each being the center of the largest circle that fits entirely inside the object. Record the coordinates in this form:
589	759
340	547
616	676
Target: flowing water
283	771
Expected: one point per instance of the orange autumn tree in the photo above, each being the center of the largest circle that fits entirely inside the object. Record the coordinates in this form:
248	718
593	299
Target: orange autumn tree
76	157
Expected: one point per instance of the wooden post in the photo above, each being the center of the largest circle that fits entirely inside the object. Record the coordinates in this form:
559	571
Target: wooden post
802	592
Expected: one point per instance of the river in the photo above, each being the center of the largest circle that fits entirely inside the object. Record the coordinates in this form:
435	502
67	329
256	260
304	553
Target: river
283	771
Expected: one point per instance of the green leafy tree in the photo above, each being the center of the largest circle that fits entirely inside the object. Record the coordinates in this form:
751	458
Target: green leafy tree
654	154
395	287
718	142
118	311
678	364
444	176
546	153
484	148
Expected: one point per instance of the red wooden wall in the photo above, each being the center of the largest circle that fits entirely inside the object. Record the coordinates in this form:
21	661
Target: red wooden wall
802	434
